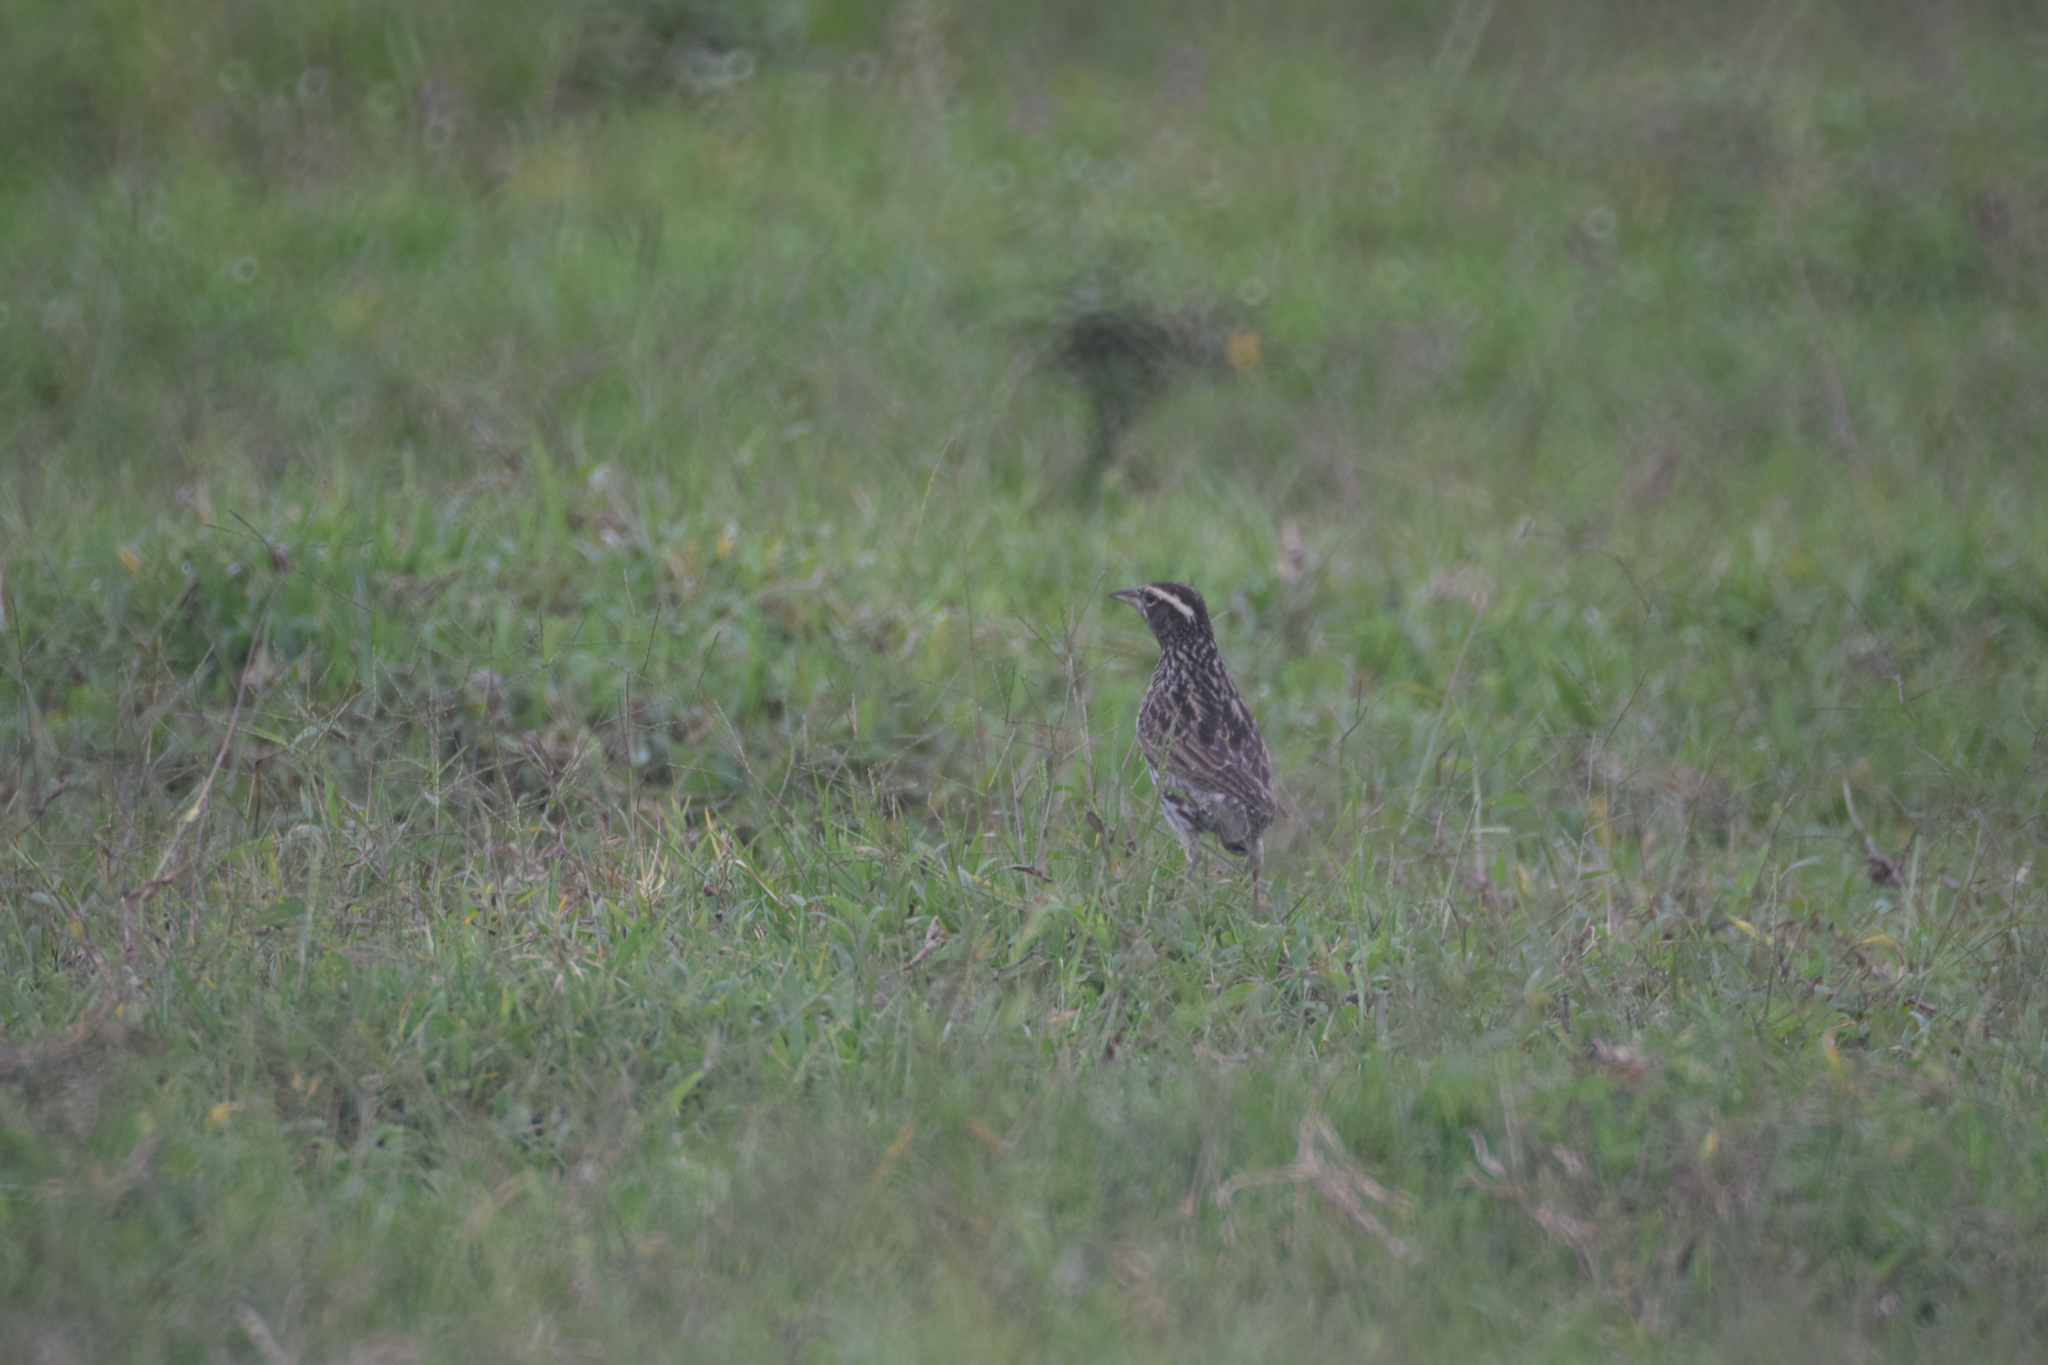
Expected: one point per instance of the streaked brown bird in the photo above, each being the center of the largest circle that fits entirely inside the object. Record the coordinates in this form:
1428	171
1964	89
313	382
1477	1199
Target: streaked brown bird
1200	742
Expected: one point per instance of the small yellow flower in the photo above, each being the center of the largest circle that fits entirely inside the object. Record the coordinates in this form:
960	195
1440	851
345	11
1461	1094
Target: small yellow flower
1242	350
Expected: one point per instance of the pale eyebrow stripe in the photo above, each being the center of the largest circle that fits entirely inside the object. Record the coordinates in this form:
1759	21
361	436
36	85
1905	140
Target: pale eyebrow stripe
1163	595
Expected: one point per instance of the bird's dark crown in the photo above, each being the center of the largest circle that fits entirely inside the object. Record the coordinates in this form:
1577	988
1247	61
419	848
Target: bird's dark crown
1176	612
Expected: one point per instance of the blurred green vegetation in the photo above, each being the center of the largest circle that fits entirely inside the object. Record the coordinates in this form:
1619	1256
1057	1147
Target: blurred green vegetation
567	782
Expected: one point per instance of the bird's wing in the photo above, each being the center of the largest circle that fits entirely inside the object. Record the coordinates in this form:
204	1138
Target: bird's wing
1222	754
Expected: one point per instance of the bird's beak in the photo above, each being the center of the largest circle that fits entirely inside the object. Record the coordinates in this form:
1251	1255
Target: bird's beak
1130	595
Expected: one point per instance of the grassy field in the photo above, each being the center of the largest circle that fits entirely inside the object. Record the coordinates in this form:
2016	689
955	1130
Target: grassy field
568	783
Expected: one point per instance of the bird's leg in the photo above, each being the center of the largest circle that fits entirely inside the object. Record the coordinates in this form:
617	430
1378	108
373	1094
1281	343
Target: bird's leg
1190	842
1257	858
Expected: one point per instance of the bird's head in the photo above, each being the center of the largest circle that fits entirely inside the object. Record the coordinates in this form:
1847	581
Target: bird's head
1176	612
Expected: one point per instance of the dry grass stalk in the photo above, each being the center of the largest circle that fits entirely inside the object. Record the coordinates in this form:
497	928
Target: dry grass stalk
1321	1161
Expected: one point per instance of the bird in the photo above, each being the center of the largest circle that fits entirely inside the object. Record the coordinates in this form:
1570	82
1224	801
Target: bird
1207	761
1126	355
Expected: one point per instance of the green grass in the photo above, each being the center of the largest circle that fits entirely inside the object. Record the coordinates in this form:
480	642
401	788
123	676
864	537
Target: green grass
568	783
